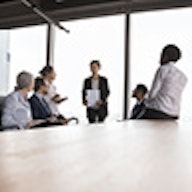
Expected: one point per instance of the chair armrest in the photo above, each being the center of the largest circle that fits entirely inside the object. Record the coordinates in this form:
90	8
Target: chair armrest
6	128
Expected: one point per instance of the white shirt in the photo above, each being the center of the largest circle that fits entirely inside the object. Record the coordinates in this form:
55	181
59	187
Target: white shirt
95	83
16	111
168	85
95	86
53	105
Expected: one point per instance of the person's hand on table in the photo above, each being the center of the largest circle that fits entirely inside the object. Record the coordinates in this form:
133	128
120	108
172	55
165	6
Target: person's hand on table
35	122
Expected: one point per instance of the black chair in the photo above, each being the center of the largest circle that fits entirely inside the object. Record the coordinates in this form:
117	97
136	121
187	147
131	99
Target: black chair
1	108
2	128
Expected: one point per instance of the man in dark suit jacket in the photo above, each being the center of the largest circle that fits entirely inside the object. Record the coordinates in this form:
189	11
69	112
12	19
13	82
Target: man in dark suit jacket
39	106
139	108
96	82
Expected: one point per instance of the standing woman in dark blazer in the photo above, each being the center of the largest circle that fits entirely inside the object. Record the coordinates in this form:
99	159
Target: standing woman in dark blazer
96	82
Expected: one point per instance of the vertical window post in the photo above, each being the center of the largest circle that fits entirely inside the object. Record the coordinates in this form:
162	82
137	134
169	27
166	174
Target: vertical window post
127	67
50	44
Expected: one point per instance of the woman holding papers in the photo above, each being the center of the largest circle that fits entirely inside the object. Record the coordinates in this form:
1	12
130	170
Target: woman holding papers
95	93
52	97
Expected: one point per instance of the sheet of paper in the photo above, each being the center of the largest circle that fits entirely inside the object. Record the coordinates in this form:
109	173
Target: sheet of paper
92	96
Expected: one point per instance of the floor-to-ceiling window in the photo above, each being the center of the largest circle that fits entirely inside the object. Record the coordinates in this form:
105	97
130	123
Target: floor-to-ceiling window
100	39
4	61
150	32
27	50
90	39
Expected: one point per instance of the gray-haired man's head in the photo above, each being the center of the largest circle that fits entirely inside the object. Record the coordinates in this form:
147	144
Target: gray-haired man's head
25	80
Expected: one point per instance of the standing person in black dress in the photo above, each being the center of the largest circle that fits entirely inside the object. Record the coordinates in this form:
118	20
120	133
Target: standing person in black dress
99	111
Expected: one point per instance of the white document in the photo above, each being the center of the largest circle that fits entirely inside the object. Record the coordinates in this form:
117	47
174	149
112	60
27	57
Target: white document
92	96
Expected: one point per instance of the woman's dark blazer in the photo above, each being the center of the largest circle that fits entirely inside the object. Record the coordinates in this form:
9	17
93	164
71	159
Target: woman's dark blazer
104	89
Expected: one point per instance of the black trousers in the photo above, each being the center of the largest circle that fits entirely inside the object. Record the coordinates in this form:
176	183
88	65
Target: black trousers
154	114
95	115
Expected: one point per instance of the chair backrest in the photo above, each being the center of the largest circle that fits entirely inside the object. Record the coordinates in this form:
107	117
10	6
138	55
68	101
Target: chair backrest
2	98
1	106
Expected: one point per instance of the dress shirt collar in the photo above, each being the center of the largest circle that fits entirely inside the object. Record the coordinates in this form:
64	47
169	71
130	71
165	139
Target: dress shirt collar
171	63
39	96
141	101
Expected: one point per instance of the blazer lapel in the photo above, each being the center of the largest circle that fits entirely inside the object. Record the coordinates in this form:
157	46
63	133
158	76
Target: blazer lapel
42	107
100	83
89	83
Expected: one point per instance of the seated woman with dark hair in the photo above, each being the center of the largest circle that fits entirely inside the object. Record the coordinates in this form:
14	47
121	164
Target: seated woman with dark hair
41	109
168	85
52	97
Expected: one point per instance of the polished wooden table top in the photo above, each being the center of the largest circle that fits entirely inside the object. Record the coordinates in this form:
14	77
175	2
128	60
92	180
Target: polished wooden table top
132	156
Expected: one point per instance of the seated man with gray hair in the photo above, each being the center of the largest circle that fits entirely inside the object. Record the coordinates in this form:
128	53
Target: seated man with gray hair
16	110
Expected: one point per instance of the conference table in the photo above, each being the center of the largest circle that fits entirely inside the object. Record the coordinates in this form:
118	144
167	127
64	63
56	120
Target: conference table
130	156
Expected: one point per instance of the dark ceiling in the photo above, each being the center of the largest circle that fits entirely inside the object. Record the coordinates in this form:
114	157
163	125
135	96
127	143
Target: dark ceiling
14	14
59	4
2	1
